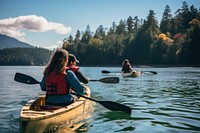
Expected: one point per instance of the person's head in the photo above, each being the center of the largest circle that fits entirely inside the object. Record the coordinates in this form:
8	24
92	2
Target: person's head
125	61
57	63
72	60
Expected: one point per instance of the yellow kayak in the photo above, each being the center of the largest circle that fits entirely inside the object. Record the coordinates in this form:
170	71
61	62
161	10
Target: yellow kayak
132	74
35	116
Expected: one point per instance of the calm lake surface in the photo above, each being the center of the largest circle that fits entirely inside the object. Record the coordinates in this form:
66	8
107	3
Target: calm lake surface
168	102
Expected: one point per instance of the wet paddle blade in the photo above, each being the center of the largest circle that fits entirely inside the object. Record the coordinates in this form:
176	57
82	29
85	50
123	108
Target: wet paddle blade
110	80
22	78
109	104
115	106
153	72
104	71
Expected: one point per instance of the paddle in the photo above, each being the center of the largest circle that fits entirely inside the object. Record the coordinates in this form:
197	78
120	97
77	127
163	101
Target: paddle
153	72
109	104
108	80
105	71
20	77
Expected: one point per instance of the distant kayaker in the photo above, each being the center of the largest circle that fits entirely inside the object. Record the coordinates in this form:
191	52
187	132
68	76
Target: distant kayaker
126	66
57	81
76	69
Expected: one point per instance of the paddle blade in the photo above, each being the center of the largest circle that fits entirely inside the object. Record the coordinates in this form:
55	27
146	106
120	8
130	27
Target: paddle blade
22	78
115	106
153	72
104	71
110	80
109	104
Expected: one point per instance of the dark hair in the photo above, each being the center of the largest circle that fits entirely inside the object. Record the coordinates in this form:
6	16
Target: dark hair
57	62
72	58
125	61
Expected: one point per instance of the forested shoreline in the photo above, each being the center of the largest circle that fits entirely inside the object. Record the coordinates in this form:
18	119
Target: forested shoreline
24	56
175	41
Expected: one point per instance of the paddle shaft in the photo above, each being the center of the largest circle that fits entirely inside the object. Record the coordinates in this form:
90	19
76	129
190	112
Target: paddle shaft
19	77
94	80
105	71
79	95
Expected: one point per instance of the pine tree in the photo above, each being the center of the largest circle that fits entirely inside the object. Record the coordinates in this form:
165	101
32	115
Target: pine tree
166	21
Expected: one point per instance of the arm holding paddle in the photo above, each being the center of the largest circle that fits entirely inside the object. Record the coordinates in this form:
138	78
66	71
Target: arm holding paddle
82	78
74	83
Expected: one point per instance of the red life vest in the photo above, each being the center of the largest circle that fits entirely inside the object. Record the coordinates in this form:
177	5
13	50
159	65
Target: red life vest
73	68
56	84
126	68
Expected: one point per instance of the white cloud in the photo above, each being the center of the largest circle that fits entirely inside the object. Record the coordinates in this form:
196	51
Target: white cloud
58	44
52	47
14	26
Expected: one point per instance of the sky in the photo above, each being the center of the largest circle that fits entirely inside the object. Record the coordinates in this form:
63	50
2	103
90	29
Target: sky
45	23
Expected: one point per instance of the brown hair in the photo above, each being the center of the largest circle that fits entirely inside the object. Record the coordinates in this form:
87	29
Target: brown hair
125	61
57	62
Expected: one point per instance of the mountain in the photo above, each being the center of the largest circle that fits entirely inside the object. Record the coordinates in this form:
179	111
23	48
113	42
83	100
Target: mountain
10	42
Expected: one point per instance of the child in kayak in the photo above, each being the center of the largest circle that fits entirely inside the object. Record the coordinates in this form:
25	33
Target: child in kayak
72	66
57	81
126	66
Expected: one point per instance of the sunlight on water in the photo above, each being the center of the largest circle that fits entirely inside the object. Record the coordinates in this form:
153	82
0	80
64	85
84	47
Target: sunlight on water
166	102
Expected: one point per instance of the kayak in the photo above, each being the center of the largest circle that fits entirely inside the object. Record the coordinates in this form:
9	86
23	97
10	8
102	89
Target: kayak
38	117
132	74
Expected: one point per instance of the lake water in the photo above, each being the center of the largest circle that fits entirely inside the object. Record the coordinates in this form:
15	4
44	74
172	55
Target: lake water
168	102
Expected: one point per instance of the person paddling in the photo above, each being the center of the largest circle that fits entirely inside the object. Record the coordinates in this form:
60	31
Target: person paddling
126	66
72	60
57	81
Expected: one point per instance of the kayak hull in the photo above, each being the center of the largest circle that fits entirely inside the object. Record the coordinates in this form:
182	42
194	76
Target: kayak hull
133	74
34	117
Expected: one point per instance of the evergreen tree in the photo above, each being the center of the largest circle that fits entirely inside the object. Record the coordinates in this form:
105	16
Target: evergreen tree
121	28
165	24
145	38
70	39
192	45
100	32
112	29
87	35
136	24
183	18
130	25
77	36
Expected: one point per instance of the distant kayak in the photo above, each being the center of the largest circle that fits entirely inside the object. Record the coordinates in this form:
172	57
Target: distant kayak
132	74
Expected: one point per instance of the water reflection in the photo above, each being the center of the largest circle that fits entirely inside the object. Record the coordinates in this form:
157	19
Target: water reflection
80	124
